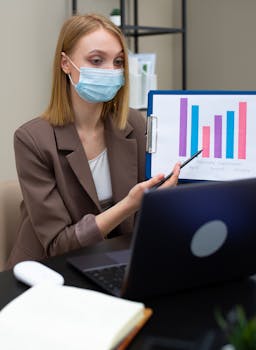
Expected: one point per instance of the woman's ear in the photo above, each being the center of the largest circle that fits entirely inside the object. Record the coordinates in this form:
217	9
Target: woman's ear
65	64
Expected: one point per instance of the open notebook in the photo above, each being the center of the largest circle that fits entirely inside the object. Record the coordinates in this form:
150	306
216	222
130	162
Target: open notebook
187	236
49	316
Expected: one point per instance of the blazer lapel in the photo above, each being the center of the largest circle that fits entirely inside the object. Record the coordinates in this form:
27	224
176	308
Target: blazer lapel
68	140
122	159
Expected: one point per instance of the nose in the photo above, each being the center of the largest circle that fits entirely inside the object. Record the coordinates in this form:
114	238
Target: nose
110	66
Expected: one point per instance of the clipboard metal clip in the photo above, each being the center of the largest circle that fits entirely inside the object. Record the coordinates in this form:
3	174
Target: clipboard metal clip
151	134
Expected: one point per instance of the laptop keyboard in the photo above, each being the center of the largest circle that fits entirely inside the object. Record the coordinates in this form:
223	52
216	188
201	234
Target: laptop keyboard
109	278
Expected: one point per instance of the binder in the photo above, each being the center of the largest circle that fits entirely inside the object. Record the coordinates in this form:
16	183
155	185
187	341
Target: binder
222	123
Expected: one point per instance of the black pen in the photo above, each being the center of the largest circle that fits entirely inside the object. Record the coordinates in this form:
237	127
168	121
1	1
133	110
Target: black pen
182	165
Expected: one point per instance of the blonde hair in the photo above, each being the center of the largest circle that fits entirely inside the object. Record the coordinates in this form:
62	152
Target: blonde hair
60	110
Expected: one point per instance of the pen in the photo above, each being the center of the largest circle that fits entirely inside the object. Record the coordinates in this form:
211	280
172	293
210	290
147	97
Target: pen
182	165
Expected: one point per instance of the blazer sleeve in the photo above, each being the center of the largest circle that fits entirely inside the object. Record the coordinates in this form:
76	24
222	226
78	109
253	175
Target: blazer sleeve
138	122
49	217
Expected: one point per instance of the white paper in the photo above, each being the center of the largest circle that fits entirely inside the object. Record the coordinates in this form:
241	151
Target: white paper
167	108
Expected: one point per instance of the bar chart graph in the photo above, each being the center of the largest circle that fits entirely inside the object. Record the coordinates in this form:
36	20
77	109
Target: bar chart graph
222	124
218	151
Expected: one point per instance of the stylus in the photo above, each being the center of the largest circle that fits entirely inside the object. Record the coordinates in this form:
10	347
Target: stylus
182	165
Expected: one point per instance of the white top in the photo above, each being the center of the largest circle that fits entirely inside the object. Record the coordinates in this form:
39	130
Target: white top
101	176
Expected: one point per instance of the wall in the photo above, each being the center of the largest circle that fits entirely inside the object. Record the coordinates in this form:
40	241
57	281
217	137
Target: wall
28	34
98	6
221	53
221	44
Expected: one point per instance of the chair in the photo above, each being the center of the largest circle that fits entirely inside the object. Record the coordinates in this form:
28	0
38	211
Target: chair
10	199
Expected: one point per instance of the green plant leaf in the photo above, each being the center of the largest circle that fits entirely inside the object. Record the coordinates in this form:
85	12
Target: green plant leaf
240	331
115	12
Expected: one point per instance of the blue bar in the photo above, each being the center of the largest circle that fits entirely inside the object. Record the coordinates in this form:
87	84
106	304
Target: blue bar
194	129
230	134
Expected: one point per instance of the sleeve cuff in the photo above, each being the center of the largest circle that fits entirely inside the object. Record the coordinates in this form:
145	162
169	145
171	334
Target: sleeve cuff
87	231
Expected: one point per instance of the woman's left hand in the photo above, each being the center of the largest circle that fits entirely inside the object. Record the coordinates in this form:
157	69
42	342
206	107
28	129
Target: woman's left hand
135	195
173	180
110	218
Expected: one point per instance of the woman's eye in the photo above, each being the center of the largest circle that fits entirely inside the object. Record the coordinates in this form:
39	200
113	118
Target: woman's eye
119	62
96	61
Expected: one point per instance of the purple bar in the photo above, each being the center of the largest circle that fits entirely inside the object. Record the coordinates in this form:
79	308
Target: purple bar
217	136
183	126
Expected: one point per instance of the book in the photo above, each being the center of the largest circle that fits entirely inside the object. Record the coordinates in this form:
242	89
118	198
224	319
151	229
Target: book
49	316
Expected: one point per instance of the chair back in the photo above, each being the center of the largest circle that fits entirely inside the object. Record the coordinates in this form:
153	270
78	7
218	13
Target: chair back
10	200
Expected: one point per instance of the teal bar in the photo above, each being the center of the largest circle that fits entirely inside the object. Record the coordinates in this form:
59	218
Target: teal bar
230	134
194	129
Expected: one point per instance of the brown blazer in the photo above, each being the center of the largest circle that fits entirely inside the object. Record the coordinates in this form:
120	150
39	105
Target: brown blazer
58	187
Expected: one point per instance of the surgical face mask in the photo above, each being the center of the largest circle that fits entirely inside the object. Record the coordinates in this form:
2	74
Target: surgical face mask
97	84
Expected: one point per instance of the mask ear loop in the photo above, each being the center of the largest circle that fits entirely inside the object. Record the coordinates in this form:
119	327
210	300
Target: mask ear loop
73	64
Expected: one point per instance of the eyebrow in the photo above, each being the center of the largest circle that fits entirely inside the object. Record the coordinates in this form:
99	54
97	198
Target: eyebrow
103	52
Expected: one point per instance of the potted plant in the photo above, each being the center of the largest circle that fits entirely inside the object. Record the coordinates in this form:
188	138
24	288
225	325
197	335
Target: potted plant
115	16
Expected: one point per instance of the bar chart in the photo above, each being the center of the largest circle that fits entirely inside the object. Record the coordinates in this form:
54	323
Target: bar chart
223	124
216	132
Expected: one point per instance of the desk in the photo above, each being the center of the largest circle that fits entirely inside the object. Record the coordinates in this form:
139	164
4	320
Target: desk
188	315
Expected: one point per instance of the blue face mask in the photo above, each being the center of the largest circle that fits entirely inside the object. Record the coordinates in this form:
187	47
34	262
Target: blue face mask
97	84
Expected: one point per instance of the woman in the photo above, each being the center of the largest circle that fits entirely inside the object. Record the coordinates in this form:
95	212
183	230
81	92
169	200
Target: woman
81	164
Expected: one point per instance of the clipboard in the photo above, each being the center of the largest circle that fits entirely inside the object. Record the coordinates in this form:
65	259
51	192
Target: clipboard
222	123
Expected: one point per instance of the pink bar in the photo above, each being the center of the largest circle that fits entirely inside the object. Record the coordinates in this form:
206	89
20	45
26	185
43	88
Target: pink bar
206	142
242	130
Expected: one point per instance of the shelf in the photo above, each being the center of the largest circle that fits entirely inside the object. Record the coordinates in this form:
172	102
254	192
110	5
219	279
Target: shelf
128	30
137	31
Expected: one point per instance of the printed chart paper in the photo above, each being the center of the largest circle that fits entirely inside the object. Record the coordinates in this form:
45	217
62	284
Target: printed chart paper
222	124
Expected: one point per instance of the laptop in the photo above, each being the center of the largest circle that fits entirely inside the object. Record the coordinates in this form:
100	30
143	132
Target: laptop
184	237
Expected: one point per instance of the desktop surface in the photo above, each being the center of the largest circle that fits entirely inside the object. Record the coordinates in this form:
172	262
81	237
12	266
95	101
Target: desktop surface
180	318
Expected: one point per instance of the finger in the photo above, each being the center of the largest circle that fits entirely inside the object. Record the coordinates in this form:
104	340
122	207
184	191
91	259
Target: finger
153	181
176	169
174	178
